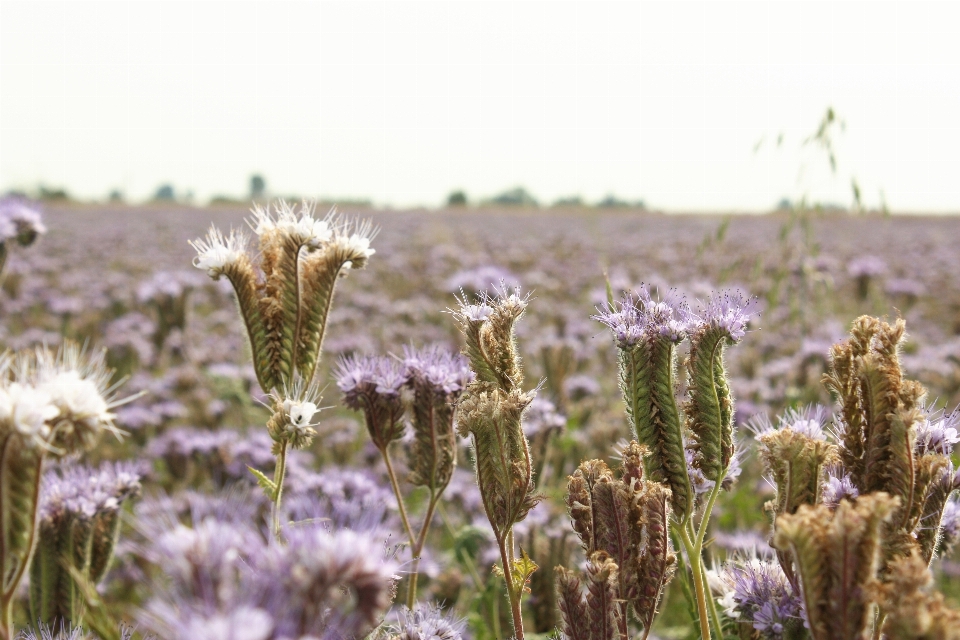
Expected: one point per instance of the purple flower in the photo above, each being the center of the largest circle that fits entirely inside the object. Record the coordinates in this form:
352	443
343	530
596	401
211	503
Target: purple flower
318	580
365	376
428	622
86	492
950	523
836	488
641	316
372	384
938	433
866	266
758	592
447	373
727	311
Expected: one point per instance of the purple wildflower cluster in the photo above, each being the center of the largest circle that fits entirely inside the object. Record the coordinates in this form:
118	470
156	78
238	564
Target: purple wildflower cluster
228	581
641	316
937	433
364	379
758	592
84	491
836	488
436	369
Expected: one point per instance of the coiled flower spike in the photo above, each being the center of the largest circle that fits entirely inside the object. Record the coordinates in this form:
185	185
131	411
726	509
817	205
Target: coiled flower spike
646	332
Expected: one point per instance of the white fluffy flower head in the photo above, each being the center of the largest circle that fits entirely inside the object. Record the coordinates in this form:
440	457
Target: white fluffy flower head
302	226
28	410
299	413
216	251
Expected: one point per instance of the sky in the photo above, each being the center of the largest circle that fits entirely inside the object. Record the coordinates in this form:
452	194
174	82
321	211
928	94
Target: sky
680	104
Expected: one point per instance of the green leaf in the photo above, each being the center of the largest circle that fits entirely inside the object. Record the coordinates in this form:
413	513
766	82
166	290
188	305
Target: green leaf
269	486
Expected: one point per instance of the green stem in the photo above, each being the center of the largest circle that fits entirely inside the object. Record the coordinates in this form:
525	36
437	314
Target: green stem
418	548
705	519
6	618
514	598
712	606
278	476
696	568
414	550
396	492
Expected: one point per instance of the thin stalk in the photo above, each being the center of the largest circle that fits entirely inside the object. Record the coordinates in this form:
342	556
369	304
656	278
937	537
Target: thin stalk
696	568
878	621
712	605
6	618
278	476
698	548
418	548
514	598
705	519
396	492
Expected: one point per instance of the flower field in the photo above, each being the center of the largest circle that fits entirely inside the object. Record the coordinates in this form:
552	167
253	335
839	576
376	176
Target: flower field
365	517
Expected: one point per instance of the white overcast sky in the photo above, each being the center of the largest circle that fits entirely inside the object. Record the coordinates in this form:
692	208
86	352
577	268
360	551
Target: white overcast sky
402	102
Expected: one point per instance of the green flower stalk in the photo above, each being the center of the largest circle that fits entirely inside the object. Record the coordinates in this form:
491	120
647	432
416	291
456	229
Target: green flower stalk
709	409
51	403
285	297
647	332
491	410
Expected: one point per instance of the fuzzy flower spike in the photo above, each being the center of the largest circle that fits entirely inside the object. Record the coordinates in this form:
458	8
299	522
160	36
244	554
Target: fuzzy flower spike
285	300
490	411
80	505
50	402
646	332
709	412
285	296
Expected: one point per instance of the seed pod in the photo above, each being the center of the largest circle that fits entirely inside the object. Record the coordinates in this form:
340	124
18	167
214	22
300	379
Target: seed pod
837	555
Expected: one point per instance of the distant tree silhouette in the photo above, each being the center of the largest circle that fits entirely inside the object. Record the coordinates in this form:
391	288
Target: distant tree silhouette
257	186
164	193
517	196
457	199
